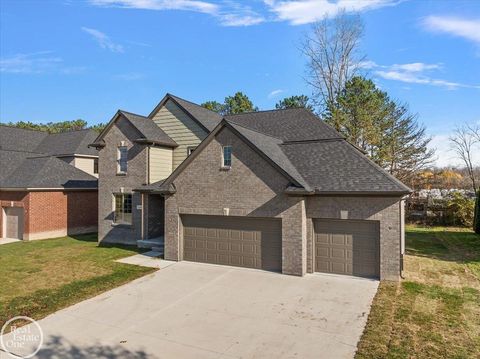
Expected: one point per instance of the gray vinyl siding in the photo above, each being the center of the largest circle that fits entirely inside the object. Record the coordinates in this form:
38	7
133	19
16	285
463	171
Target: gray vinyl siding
181	128
161	163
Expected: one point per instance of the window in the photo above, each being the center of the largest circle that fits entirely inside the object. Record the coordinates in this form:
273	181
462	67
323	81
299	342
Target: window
227	156
122	156
95	165
190	150
123	208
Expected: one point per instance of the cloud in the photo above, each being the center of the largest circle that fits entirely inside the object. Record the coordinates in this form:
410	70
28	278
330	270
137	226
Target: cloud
229	13
274	93
103	40
415	72
468	29
130	76
189	5
444	154
37	62
299	12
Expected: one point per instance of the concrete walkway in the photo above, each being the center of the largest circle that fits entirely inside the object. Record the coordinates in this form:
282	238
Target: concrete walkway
9	240
191	310
148	259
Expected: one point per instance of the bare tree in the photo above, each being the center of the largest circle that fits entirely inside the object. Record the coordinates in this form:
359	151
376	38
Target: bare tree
475	130
463	142
332	50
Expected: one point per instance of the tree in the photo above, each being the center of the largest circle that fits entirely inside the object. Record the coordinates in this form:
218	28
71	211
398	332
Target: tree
214	106
238	103
51	127
299	101
463	143
360	114
404	149
384	129
98	127
332	51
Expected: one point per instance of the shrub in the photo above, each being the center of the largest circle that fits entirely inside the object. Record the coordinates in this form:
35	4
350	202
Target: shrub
476	220
460	210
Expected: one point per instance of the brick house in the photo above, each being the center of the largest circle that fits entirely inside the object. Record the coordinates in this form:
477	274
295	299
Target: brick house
274	190
48	184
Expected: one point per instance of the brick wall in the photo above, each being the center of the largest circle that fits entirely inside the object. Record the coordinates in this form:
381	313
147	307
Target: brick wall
52	214
109	183
386	210
252	187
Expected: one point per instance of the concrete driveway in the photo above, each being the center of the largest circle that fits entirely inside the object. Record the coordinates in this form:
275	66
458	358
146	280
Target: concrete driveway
191	310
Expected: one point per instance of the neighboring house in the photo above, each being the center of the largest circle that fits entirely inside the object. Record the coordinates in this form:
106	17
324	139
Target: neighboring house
276	190
48	184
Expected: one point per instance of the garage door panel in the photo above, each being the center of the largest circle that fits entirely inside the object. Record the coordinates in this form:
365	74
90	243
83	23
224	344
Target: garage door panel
238	241
347	247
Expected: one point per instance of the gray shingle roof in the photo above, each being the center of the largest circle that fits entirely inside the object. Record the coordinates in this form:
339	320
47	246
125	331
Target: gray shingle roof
270	147
311	153
209	119
332	166
72	142
148	129
12	138
27	170
296	124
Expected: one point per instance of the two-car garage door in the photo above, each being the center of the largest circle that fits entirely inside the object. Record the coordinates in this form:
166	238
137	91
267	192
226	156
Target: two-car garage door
237	241
347	247
340	246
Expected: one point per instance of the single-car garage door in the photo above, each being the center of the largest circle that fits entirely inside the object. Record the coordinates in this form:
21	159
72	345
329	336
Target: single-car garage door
347	247
14	222
235	241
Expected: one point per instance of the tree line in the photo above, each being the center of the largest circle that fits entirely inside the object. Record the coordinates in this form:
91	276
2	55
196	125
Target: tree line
57	127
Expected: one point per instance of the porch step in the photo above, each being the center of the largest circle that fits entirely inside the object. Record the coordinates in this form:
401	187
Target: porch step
156	244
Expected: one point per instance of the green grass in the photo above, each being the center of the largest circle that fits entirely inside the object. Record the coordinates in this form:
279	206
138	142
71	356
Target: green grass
41	277
435	311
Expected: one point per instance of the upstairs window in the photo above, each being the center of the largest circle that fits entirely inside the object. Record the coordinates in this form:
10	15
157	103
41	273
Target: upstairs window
227	156
123	208
95	166
122	157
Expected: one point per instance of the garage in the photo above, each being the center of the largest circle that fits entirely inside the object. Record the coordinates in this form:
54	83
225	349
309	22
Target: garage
347	247
236	241
14	222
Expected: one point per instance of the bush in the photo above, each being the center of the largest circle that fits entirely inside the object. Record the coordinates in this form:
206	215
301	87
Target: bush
476	221
460	210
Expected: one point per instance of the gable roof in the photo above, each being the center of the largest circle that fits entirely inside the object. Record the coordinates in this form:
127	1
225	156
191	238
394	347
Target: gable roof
71	142
206	118
149	131
64	143
296	124
27	170
315	157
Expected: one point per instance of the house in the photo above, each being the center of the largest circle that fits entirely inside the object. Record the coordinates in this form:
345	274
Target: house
275	190
48	184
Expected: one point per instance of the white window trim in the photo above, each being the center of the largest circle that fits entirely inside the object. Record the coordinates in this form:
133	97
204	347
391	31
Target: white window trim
227	167
114	223
119	171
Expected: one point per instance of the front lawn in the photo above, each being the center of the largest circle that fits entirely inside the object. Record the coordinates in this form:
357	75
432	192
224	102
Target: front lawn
435	311
41	277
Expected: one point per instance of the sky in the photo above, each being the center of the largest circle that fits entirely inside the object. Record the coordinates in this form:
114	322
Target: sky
68	59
